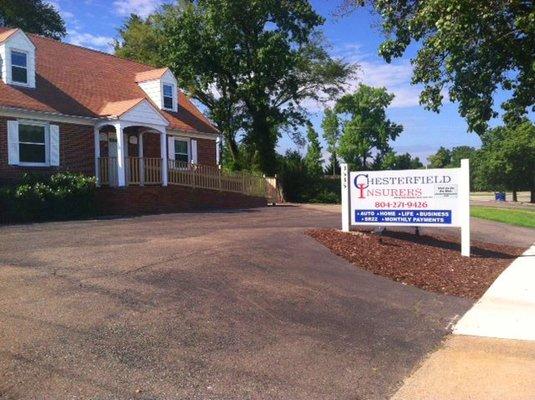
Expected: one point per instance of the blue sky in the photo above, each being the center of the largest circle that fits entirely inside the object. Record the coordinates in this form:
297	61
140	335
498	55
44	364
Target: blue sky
94	23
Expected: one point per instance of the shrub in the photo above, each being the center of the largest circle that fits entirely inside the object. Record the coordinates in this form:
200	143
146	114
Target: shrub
37	198
300	185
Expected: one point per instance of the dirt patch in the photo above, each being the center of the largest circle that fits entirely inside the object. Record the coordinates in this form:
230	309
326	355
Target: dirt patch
429	262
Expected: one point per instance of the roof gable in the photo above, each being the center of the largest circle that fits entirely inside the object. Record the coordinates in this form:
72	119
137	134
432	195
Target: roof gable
6	34
144	113
17	34
151	75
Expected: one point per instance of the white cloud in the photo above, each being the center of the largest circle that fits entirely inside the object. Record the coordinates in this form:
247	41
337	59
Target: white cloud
143	8
68	17
374	71
103	43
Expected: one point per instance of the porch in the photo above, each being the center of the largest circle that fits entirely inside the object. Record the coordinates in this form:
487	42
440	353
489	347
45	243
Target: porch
133	155
148	171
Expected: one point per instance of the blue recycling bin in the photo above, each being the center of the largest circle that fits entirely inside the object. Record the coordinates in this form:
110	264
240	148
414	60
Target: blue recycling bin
499	196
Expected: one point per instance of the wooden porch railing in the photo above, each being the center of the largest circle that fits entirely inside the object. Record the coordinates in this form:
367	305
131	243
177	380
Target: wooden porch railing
212	177
138	171
148	171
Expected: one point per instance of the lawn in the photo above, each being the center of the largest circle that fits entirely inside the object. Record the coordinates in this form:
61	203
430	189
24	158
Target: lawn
524	218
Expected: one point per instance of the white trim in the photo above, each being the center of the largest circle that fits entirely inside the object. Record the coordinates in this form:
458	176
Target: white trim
121	173
133	122
96	143
173	97
194	157
46	127
194	135
218	144
14	112
464	194
163	155
346	198
49	116
188	144
54	153
13	142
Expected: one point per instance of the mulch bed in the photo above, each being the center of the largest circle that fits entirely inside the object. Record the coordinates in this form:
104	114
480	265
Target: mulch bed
432	263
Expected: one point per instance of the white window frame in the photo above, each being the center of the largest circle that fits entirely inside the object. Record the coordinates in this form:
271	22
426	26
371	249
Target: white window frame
188	144
13	81
47	144
172	108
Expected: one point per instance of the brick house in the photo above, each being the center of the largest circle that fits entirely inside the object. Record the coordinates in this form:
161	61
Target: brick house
68	108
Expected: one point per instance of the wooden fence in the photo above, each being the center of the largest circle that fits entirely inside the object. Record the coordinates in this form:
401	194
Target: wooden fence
148	171
212	177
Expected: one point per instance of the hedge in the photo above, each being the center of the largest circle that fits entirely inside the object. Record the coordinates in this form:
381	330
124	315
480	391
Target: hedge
38	198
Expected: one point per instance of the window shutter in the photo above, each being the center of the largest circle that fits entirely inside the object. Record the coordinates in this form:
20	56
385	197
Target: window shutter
171	147
54	145
193	151
13	142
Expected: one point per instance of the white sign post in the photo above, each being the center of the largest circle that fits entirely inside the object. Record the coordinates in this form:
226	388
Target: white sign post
419	197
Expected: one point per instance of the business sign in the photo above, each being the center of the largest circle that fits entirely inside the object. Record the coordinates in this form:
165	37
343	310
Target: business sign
421	197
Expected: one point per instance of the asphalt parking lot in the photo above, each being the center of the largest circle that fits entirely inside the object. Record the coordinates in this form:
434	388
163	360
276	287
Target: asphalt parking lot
223	305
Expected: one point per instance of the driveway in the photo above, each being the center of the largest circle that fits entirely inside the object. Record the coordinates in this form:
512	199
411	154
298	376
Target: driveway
227	305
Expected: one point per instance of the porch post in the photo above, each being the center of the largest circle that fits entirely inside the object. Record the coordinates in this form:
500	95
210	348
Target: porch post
141	159
121	176
97	154
163	155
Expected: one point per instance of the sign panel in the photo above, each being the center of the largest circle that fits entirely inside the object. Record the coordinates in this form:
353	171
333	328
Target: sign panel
407	197
419	197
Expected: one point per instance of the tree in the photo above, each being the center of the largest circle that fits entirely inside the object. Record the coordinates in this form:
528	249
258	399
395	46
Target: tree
313	159
333	167
507	158
331	134
251	63
139	41
461	152
366	130
393	161
441	159
294	177
468	48
34	16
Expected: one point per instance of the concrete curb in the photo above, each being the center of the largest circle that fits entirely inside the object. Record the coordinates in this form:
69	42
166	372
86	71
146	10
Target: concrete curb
507	309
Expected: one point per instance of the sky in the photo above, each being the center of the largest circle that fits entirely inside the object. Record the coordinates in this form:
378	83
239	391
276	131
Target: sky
355	38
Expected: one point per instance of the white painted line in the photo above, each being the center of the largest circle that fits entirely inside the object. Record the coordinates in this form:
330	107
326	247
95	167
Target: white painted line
507	309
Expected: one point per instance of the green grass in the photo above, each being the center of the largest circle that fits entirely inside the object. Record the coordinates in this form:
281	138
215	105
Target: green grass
524	218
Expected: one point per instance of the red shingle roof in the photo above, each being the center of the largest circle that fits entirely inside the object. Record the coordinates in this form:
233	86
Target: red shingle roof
150	75
6	33
118	108
73	80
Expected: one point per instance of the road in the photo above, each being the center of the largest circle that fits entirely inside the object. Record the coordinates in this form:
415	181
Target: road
223	305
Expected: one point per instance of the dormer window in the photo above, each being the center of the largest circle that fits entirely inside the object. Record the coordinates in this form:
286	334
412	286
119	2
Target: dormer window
17	58
168	101
19	67
160	86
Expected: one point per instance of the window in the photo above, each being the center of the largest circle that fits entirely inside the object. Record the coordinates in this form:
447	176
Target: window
181	151
19	67
32	144
168	97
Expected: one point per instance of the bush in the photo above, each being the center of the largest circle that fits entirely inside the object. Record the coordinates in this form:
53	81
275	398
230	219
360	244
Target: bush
299	185
37	198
